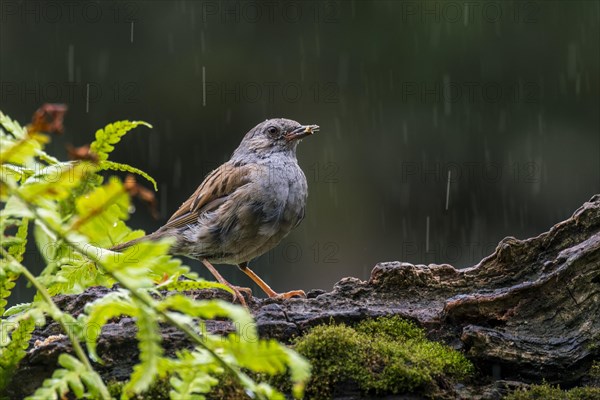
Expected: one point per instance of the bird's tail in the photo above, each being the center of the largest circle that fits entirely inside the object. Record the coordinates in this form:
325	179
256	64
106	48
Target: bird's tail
123	246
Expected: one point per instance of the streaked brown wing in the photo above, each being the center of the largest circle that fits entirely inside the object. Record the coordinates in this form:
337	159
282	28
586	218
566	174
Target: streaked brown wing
211	193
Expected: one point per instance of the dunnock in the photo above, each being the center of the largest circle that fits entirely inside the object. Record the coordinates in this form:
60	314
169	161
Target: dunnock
245	207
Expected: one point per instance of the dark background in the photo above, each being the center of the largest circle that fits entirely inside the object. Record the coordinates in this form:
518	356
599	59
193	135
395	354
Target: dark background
504	95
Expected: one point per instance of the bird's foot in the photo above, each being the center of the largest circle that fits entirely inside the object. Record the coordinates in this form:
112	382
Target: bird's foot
290	294
237	294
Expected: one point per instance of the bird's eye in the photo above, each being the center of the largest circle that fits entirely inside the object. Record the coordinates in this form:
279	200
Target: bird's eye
273	130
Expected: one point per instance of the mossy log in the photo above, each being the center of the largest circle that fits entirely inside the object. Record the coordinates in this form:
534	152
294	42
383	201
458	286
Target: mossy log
529	311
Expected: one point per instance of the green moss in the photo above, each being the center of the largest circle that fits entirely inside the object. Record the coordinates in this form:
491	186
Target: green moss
548	392
386	355
595	370
391	328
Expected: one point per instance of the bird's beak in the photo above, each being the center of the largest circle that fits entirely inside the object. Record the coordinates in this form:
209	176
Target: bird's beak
301	132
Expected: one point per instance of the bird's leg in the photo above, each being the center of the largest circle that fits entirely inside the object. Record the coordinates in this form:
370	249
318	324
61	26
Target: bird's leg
236	289
266	288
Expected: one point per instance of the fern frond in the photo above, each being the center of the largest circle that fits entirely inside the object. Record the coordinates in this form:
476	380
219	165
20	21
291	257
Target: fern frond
65	380
16	309
210	309
263	355
191	376
12	127
189	383
300	371
15	173
7	283
75	274
99	312
9	273
46	244
18	249
20	152
100	215
144	263
12	352
54	182
184	285
47	158
95	204
111	135
151	352
115	166
20	133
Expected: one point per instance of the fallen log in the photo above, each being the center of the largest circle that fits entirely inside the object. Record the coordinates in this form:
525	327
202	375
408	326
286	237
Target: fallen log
529	311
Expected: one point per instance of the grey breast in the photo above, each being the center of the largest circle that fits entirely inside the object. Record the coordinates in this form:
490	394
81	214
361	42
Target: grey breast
285	194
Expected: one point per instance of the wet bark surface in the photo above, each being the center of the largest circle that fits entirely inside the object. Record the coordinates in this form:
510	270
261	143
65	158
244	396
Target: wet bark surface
527	312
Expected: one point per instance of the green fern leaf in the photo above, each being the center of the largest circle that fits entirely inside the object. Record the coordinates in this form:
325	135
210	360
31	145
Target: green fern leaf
115	166
190	384
110	135
75	274
9	272
144	263
151	352
95	204
15	173
55	387
22	151
12	127
17	250
187	284
65	380
7	283
47	158
19	132
210	309
99	312
46	243
94	384
148	335
267	356
192	375
54	182
261	355
16	309
299	369
100	215
14	351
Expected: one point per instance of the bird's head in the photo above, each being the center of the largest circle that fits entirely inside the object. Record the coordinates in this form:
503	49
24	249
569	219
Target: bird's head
278	135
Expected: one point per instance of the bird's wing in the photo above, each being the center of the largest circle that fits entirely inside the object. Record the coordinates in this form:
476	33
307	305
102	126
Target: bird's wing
211	193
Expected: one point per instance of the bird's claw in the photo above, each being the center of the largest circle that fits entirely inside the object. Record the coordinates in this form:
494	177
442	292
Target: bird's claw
290	294
237	294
